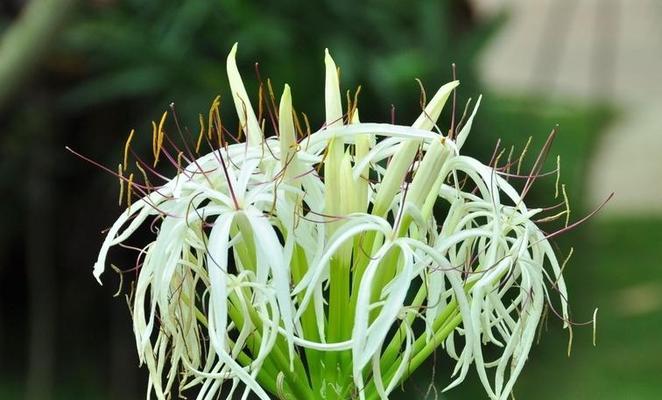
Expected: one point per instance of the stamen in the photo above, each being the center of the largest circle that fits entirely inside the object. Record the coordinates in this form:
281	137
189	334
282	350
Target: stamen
521	157
540	160
509	160
120	273
595	323
159	138
355	103
260	100
422	96
121	178
352	105
155	140
180	155
460	124
149	168
539	175
129	191
145	178
552	217
581	221
349	107
567	205
565	262
308	131
498	158
126	148
213	112
451	132
271	106
200	135
219	134
227	179
297	124
558	176
569	339
96	164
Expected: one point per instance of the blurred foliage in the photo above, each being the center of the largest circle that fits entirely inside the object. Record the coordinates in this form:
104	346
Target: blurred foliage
174	50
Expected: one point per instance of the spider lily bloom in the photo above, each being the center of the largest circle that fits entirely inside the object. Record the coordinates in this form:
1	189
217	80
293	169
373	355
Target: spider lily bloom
295	266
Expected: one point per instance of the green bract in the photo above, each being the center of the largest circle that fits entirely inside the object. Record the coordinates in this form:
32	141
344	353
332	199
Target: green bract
295	267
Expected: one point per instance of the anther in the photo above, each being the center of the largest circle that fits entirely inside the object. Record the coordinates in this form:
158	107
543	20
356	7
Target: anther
126	148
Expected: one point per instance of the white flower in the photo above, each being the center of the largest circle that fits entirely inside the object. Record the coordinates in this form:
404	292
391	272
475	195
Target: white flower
297	264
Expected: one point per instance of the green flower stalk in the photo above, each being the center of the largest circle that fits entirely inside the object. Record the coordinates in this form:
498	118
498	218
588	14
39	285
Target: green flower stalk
296	265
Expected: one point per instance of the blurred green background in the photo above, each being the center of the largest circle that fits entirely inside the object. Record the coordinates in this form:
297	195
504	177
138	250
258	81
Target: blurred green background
83	73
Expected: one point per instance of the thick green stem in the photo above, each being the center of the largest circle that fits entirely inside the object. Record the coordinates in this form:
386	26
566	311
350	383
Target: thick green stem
308	322
423	348
295	380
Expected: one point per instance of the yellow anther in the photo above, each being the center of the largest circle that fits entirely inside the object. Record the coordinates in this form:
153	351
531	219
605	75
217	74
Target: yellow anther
121	178
219	133
352	105
142	170
129	191
422	100
498	158
307	123
126	148
510	155
260	102
558	176
155	135
297	123
272	97
521	157
553	217
180	155
595	325
201	134
569	340
567	205
213	114
119	272
567	258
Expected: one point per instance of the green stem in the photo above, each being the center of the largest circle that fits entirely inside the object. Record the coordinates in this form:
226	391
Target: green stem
423	348
295	380
308	321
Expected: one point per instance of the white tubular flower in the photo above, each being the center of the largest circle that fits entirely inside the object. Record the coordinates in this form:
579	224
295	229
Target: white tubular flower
295	265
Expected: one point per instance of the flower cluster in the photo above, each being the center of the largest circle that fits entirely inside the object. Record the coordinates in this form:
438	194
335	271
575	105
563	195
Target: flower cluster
296	265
